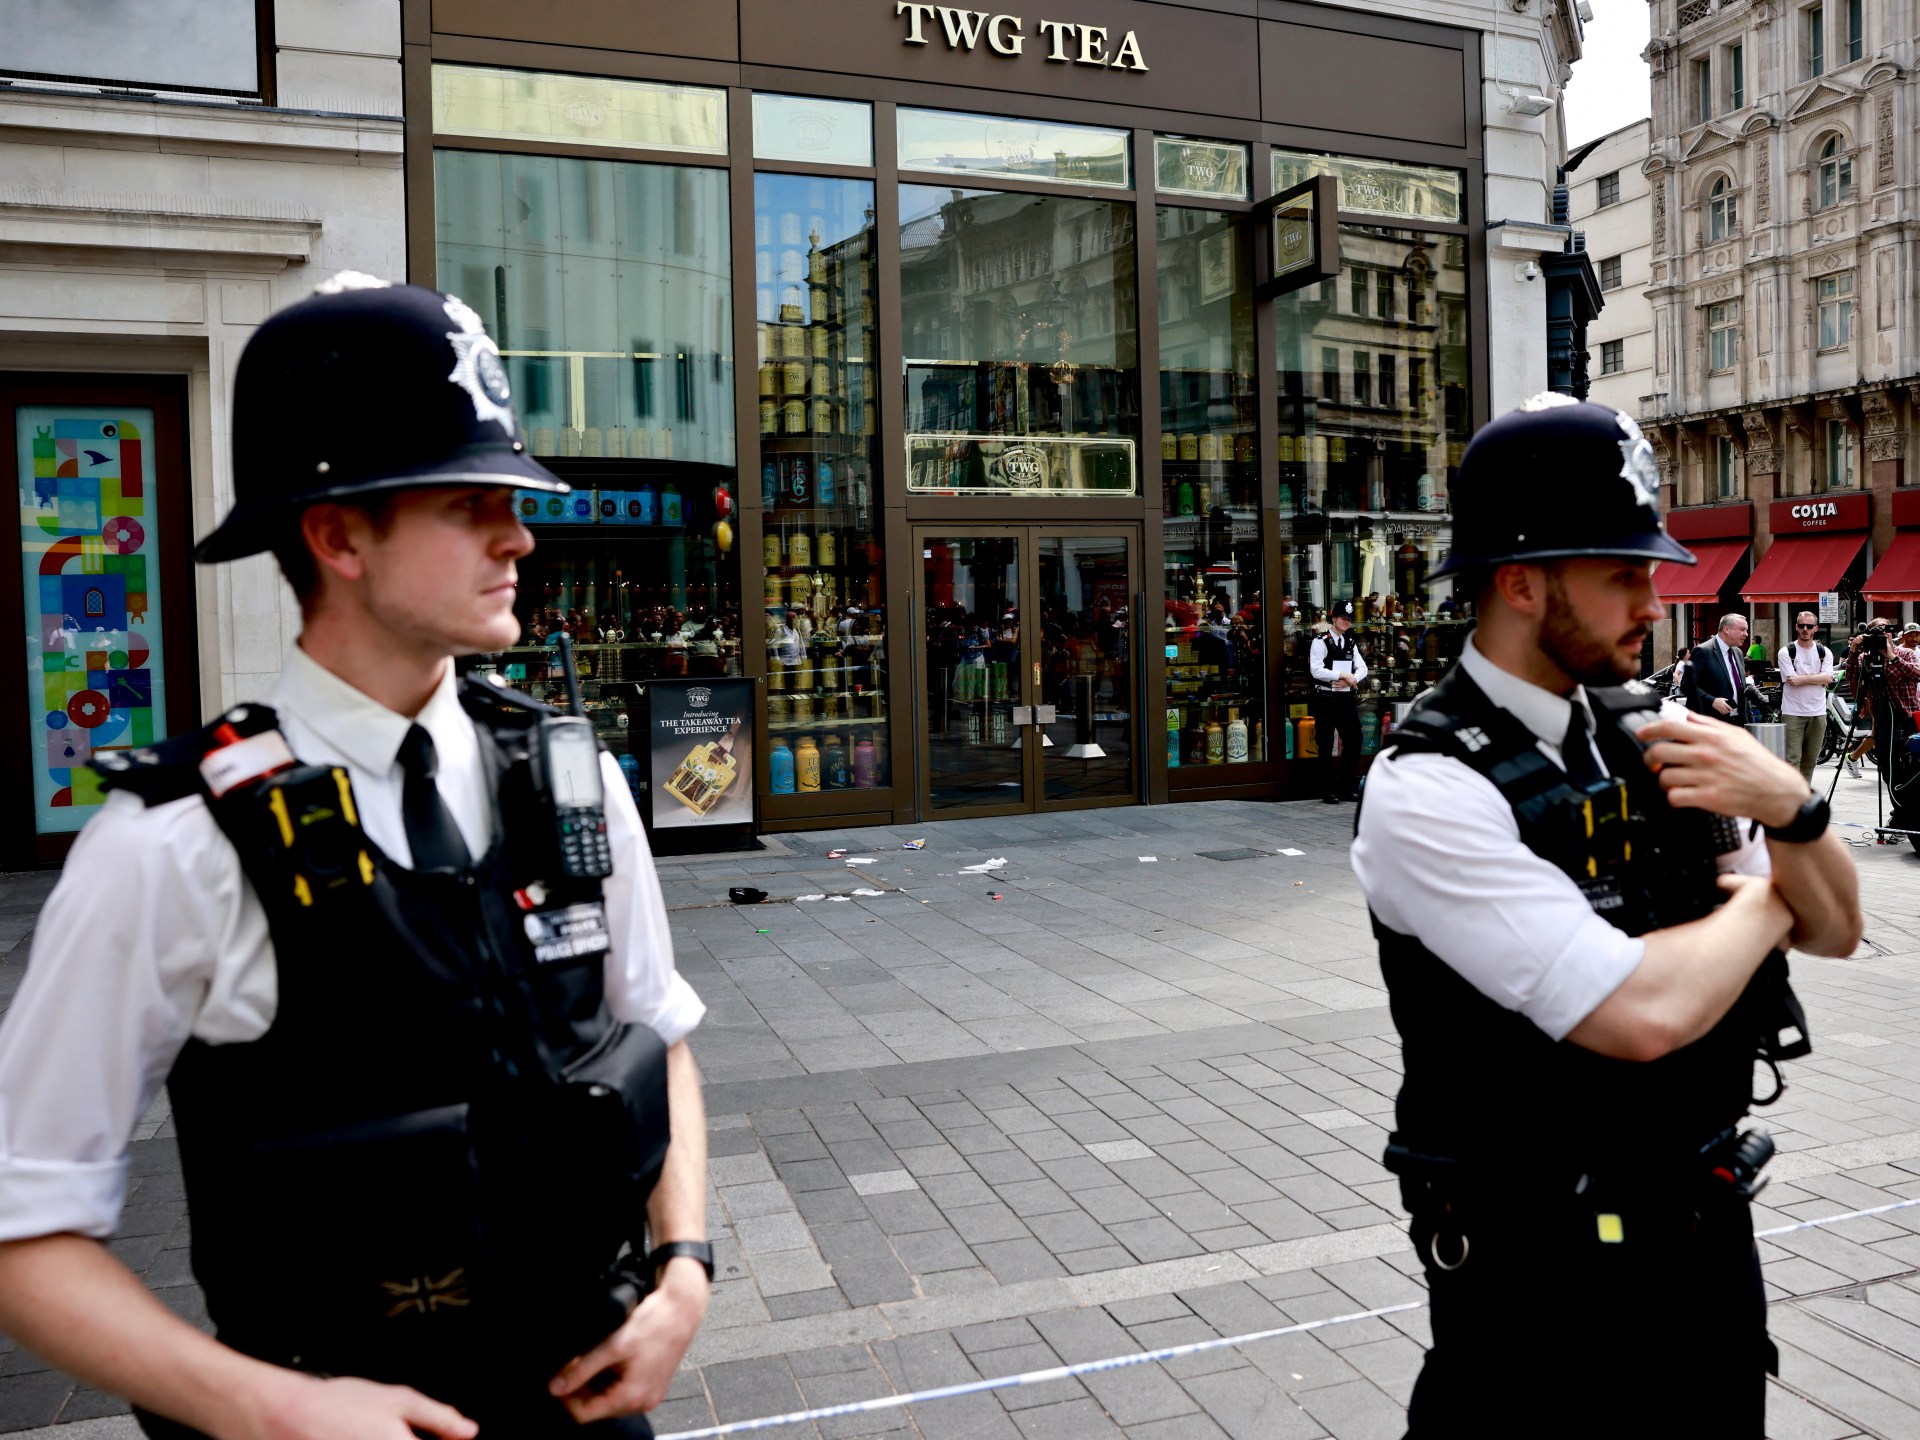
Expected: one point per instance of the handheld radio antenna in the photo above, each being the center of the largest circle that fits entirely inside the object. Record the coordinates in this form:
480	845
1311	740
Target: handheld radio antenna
574	706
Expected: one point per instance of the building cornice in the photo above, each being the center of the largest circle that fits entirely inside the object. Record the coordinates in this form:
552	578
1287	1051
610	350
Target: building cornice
150	124
175	226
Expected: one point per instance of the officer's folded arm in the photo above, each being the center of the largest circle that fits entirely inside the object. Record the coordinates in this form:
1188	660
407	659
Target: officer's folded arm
1440	857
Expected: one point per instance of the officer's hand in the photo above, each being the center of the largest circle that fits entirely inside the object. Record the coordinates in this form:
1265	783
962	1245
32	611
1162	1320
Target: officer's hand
1704	766
628	1372
349	1409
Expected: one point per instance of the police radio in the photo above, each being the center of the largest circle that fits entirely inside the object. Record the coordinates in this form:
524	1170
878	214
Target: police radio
570	786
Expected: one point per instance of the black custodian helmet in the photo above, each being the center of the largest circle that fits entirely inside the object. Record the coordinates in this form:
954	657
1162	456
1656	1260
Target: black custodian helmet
1555	479
361	388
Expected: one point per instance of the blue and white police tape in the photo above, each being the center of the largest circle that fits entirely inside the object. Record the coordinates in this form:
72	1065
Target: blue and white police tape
1149	1357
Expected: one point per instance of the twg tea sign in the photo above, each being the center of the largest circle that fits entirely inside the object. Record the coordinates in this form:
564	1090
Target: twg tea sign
1063	42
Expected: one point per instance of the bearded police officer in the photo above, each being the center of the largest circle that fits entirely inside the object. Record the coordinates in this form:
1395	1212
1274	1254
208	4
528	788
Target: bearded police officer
1337	668
397	948
1584	963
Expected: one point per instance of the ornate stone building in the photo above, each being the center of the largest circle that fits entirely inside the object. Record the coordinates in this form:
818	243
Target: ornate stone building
1786	342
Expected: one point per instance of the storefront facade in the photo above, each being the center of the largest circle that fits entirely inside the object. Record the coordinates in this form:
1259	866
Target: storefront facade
929	370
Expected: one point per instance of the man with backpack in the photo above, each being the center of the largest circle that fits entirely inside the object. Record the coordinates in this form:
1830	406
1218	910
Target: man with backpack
1806	670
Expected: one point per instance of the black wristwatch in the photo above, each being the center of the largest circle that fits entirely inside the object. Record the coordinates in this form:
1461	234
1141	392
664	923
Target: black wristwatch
1808	824
693	1249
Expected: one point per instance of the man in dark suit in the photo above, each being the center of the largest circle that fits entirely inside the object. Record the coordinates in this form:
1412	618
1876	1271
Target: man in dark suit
1717	682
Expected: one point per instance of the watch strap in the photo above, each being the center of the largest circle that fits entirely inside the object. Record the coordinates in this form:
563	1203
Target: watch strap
1808	824
693	1249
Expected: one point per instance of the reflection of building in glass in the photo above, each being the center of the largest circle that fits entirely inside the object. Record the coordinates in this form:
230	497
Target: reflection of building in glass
1018	313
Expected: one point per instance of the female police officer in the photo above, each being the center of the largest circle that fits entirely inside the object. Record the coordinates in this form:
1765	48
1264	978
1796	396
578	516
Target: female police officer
420	1057
1582	984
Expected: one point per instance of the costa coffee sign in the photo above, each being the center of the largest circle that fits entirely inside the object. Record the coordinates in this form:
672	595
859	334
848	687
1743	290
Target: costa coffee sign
1820	513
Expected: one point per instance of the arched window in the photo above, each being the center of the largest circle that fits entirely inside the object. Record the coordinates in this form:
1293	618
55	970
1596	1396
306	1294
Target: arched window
1833	176
1723	210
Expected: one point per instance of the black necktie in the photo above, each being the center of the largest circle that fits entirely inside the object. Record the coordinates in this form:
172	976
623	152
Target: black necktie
1576	751
431	834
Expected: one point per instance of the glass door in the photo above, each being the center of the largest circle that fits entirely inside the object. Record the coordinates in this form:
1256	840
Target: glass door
1027	669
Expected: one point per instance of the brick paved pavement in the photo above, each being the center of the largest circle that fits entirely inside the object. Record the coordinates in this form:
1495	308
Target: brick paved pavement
1127	1104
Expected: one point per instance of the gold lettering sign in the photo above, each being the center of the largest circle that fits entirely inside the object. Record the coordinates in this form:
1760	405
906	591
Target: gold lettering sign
1063	42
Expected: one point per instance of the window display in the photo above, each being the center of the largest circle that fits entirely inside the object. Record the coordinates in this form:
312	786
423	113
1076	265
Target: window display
609	288
825	590
1210	505
1374	417
1022	352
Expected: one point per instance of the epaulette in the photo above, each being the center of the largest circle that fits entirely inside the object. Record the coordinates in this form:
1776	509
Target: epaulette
170	769
1613	701
491	701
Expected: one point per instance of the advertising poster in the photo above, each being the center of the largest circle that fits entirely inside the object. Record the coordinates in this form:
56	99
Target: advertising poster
701	739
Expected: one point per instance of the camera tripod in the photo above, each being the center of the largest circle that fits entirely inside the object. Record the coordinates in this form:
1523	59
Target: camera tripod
1892	789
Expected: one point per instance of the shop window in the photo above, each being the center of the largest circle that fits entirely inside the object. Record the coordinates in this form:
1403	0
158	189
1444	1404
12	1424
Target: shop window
1834	296
1833	175
1839	446
1378	187
1363	494
1612	356
1723	335
1813	22
819	132
494	104
1606	190
1026	387
1610	273
1210	505
819	461
988	146
1723	210
609	288
1205	168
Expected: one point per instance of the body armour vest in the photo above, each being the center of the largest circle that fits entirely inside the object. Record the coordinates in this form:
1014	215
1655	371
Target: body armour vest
426	1170
1338	648
1488	1090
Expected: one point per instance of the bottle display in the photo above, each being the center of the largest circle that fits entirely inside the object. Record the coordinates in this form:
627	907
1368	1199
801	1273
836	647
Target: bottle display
780	767
1236	737
806	765
823	561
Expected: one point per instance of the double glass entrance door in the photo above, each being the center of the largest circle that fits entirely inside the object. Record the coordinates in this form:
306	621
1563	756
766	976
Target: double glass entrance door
1028	667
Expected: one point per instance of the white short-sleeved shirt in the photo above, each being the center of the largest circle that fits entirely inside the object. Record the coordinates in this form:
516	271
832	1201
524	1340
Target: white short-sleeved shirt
120	981
1440	858
1796	659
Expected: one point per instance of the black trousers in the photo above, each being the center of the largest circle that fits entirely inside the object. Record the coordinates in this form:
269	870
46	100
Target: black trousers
1337	713
1543	1330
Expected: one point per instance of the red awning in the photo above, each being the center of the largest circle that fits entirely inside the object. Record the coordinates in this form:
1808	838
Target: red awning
1699	584
1897	576
1800	567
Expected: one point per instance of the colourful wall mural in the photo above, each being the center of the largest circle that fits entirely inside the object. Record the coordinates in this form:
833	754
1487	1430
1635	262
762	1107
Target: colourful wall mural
89	537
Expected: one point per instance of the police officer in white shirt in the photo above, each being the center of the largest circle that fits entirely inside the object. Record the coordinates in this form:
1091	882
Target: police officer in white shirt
1806	670
1337	669
1584	965
418	1016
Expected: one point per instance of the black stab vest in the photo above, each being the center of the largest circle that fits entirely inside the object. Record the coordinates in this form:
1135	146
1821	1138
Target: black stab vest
1338	647
408	1177
1485	1087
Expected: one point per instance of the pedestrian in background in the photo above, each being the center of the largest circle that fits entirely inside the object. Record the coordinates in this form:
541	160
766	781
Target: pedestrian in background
1806	670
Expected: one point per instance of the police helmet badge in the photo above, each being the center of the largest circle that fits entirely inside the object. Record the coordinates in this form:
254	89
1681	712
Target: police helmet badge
1638	464
477	368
